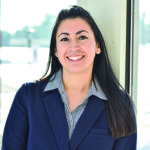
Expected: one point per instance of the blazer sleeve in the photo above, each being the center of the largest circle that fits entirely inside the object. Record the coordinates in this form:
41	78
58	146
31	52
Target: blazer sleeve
16	128
127	142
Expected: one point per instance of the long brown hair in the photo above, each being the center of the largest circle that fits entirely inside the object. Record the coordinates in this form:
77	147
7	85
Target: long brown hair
120	112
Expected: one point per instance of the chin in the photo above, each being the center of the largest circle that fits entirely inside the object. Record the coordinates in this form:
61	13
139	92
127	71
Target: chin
78	70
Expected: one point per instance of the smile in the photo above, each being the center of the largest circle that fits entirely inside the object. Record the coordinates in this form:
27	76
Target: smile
74	58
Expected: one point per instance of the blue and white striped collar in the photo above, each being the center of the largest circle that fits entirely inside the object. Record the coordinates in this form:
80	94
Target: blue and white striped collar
57	82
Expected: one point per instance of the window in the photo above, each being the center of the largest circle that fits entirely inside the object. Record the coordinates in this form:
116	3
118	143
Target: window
139	86
143	97
25	36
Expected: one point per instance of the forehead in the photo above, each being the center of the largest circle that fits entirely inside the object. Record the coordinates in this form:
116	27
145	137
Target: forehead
73	25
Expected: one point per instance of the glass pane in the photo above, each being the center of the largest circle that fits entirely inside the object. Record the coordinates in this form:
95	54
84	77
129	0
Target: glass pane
143	105
25	36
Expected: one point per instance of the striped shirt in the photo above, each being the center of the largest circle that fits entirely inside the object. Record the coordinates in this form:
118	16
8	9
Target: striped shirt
73	117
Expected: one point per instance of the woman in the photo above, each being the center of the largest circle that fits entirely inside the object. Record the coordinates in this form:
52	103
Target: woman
80	105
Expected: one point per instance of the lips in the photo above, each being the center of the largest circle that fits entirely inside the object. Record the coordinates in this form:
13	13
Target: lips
75	58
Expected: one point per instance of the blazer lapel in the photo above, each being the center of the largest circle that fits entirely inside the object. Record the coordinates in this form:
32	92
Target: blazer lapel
56	114
92	111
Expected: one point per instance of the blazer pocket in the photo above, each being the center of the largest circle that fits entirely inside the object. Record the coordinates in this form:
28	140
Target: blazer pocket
100	131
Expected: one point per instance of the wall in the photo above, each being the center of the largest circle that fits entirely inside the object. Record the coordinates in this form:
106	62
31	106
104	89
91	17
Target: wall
110	15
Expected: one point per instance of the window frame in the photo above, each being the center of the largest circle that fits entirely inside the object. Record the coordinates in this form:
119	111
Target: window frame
132	43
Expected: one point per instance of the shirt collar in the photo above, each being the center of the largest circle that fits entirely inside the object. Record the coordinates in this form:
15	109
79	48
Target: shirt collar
56	81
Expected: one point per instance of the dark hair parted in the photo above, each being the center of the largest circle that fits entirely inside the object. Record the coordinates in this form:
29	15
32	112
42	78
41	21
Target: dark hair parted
120	113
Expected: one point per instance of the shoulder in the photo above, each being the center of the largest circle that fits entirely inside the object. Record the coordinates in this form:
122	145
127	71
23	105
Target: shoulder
29	89
126	97
29	92
31	86
129	103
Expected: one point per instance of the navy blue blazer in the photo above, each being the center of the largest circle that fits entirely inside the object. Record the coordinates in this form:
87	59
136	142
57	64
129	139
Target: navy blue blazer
37	121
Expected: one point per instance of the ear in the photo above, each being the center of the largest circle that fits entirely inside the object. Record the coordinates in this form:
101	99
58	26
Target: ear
98	50
55	51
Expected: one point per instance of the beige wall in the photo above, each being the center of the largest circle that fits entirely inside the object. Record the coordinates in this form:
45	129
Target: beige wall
110	16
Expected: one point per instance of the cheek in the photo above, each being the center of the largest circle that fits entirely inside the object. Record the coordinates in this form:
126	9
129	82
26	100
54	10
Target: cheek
59	50
60	55
91	48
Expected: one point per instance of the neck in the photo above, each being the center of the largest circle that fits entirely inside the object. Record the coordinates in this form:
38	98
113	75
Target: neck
77	82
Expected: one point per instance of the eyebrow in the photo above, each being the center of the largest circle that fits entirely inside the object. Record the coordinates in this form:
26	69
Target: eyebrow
65	33
81	31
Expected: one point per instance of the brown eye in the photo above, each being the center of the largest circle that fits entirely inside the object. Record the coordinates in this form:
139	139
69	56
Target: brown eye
64	39
83	37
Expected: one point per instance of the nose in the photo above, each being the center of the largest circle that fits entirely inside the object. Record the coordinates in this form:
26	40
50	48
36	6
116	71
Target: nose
74	45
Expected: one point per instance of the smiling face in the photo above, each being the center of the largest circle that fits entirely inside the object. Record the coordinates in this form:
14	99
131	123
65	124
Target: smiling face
76	46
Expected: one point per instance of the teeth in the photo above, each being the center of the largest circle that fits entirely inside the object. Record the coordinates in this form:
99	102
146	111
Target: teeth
75	58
